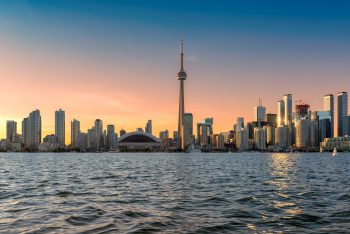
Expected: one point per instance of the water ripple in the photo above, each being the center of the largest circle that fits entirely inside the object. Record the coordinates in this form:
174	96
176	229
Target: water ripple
174	193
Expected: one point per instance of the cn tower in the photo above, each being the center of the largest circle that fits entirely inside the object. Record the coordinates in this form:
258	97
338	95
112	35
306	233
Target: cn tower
181	76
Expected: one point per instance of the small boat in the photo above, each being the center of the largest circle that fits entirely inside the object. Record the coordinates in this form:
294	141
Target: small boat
334	151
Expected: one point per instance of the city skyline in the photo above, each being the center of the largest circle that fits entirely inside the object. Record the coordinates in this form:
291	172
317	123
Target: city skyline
53	65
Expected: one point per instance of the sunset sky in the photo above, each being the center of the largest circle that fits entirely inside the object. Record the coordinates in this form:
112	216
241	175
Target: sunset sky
118	60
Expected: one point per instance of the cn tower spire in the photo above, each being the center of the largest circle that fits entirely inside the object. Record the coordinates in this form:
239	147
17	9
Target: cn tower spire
182	54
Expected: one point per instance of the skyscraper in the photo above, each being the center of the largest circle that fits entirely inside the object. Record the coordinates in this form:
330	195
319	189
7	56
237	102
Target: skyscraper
25	132
280	113
288	105
271	119
181	76
239	124
34	130
75	131
98	134
288	109
259	113
188	130
11	130
111	137
148	127
60	127
342	111
328	105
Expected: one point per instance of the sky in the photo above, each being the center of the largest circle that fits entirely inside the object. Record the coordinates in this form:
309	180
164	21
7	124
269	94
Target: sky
118	60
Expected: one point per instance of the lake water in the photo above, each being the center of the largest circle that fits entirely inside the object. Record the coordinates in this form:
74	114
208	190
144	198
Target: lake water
174	193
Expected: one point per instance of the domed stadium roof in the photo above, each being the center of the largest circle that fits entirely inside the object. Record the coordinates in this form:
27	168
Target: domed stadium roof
138	137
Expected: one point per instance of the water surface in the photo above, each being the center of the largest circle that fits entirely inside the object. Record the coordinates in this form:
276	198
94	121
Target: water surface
174	193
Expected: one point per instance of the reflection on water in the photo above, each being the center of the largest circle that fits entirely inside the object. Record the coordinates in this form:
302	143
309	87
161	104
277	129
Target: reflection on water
174	193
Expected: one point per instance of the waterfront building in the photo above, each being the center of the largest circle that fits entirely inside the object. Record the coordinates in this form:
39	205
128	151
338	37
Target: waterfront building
203	134
99	134
346	125
288	110
34	130
60	127
281	137
136	141
242	141
163	135
181	76
328	105
239	124
260	113
222	140
148	127
324	125
342	111
280	113
91	139
270	135
25	132
340	143
112	137
260	138
271	119
11	131
75	130
303	132
188	130
82	141
52	138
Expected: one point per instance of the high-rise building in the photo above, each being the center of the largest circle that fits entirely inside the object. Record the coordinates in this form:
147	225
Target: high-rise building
164	135
242	140
324	125
181	76
203	134
280	113
260	138
288	102
259	113
98	134
281	137
148	127
75	131
342	111
328	105
303	132
60	127
188	130
288	116
301	110
25	132
239	124
34	130
112	137
11	130
270	135
346	125
271	119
